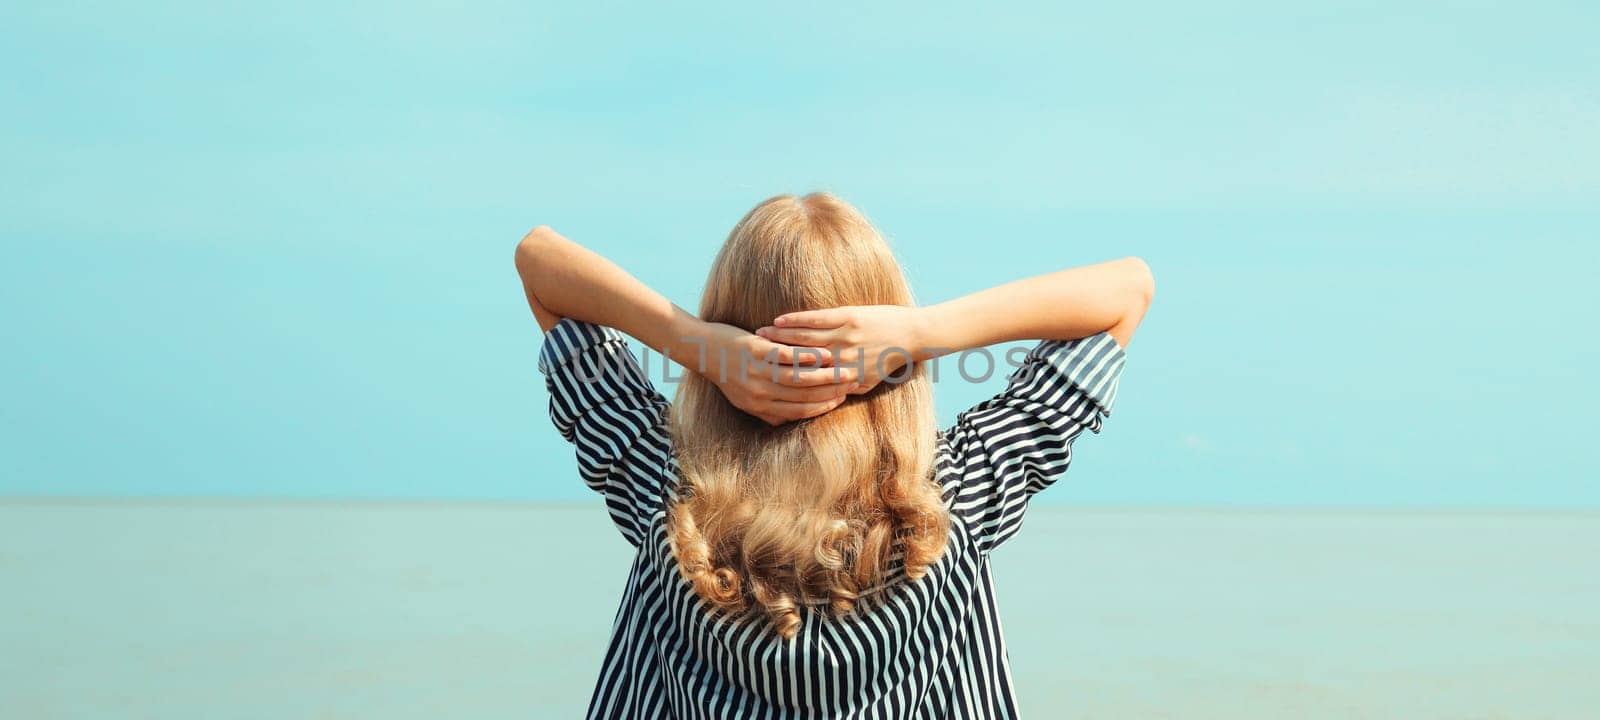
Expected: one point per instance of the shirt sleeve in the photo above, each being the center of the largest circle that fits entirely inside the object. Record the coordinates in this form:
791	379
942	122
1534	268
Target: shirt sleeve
602	402
1005	449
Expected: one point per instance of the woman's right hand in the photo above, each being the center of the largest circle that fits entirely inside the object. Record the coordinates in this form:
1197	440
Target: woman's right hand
876	340
774	382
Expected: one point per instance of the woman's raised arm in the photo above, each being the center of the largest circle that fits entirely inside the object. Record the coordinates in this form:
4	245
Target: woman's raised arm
1110	297
563	279
1068	304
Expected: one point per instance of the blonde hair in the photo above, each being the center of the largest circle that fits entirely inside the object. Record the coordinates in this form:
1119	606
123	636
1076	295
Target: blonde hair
809	511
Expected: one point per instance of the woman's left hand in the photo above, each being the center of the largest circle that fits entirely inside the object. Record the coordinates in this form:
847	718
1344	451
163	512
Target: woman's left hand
773	382
877	339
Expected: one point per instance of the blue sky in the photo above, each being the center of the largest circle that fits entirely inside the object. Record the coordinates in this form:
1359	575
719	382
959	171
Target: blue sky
266	251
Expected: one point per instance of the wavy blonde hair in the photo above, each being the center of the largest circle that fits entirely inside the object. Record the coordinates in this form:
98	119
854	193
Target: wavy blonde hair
810	511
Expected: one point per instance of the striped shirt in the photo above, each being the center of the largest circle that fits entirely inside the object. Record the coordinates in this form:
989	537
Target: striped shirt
931	648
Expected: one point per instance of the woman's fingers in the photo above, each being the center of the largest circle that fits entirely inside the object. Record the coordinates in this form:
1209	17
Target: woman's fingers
789	355
793	404
799	336
829	318
816	393
798	376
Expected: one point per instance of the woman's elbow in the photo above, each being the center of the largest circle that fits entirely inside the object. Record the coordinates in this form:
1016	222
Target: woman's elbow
1141	290
1141	282
531	248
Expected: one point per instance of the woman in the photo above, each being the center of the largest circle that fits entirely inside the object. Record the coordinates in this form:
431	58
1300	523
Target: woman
809	545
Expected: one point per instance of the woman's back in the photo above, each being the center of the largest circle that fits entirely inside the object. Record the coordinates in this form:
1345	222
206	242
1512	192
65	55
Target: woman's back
931	647
809	543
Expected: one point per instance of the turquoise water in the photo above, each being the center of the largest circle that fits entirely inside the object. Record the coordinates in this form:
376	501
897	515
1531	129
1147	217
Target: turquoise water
212	610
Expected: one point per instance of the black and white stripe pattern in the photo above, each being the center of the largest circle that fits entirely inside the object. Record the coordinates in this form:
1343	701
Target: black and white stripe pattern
926	649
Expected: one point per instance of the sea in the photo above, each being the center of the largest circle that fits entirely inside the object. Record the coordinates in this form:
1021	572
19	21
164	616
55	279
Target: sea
217	609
